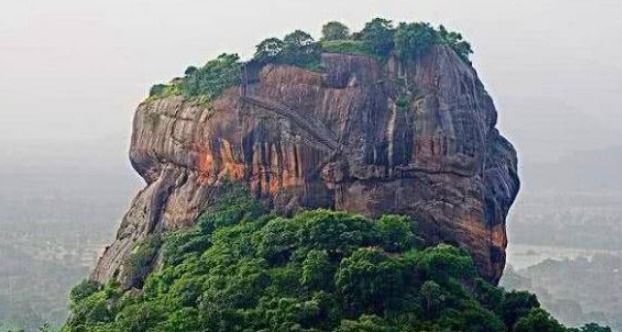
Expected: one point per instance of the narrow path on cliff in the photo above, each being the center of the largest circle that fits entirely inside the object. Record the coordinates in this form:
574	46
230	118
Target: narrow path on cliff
318	131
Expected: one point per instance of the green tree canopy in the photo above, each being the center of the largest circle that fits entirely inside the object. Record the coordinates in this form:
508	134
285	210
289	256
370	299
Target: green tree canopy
297	40
538	320
455	41
379	38
378	34
414	39
269	49
240	269
334	30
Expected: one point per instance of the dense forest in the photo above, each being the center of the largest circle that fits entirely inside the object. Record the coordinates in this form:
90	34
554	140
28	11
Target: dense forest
242	269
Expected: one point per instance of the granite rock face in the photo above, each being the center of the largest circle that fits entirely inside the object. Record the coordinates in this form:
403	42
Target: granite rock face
414	138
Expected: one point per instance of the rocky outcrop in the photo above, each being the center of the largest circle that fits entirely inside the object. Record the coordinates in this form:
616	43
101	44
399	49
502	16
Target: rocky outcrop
413	138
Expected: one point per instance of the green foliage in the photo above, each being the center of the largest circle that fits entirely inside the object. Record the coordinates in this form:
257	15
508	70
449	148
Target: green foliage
315	268
297	48
455	41
242	270
433	297
412	40
378	38
517	304
335	31
190	70
157	90
269	49
370	280
366	323
83	290
297	40
232	206
538	320
591	327
142	258
473	318
402	103
346	47
207	82
163	90
378	35
213	78
444	263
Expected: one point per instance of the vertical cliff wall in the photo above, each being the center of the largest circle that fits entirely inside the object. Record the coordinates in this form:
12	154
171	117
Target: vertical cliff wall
414	138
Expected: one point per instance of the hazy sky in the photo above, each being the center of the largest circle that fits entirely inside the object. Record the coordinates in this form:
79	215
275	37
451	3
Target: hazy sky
72	72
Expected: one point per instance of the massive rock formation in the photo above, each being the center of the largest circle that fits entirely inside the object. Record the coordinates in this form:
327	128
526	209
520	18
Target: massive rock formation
413	138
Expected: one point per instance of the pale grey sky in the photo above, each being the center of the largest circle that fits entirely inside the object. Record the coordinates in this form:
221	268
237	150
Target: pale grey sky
72	72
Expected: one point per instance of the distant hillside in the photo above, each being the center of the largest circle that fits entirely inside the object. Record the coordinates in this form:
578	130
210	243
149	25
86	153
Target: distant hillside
592	170
599	297
545	129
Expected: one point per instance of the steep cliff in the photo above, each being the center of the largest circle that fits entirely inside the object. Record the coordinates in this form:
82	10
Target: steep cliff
416	138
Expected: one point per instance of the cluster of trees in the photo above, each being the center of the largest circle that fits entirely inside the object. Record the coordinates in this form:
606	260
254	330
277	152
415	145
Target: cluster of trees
379	38
297	48
243	270
207	82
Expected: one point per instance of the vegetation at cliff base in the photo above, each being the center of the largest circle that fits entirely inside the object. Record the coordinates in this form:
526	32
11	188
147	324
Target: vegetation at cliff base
240	269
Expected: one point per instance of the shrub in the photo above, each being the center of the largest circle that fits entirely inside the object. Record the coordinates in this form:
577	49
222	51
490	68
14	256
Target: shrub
141	259
455	41
316	270
538	320
412	40
346	47
517	304
378	35
157	90
396	232
269	49
297	48
445	262
212	79
335	31
83	290
205	83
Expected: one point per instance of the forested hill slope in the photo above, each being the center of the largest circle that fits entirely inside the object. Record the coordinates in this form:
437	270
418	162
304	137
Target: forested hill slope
241	269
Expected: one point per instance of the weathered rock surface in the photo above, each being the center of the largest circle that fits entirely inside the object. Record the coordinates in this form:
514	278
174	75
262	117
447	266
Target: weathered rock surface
416	139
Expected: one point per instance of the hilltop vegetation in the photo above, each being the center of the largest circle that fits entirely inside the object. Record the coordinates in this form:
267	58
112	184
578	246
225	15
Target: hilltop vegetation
241	269
379	38
598	299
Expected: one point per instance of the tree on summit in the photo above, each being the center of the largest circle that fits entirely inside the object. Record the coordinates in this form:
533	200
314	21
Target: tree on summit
269	49
378	34
335	31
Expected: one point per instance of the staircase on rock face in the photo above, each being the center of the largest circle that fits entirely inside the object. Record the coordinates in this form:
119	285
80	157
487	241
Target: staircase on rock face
317	130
